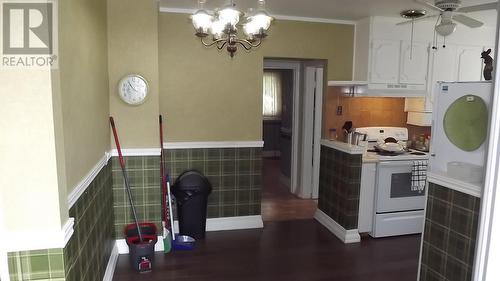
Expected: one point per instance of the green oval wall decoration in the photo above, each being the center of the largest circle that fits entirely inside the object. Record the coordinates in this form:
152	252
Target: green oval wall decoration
466	122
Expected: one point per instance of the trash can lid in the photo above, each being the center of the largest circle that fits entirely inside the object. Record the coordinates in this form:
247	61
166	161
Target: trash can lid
192	181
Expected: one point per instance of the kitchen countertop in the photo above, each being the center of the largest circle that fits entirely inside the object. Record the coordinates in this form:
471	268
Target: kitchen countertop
344	147
370	158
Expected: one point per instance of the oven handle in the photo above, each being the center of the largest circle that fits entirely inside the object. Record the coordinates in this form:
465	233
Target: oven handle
395	164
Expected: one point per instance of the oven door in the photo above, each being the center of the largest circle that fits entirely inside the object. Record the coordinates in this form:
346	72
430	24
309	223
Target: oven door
394	192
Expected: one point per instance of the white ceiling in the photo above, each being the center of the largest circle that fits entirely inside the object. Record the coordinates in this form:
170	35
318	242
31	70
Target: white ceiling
330	9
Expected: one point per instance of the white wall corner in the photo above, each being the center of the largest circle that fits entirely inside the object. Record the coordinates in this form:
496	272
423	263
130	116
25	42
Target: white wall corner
45	239
346	236
4	266
110	268
68	230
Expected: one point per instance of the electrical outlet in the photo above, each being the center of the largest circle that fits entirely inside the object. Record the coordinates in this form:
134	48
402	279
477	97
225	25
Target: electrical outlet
339	110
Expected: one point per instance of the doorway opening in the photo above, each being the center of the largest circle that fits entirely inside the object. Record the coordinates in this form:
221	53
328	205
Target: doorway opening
291	91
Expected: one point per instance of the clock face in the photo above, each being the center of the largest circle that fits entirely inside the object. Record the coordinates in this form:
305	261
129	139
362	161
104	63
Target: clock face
133	89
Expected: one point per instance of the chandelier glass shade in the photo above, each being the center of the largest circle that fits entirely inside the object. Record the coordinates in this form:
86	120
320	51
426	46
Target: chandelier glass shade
223	25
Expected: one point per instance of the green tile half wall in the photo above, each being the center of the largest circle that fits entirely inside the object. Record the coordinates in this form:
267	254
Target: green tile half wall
235	175
86	254
339	186
449	244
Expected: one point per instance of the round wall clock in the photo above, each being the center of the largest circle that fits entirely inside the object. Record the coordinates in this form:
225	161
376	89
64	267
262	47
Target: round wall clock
133	89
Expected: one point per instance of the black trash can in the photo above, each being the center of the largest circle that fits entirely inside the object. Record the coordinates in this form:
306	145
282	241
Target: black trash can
191	190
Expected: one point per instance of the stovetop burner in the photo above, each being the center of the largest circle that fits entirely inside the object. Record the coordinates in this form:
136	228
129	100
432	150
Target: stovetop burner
384	153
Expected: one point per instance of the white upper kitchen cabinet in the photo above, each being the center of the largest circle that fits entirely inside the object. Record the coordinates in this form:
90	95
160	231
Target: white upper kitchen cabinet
385	61
384	58
469	63
414	61
394	62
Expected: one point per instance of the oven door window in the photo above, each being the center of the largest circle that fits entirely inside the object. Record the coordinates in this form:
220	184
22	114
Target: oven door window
401	186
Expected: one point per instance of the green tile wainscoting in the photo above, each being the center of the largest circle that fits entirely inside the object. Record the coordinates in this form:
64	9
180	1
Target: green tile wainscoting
86	254
235	175
339	186
449	241
37	265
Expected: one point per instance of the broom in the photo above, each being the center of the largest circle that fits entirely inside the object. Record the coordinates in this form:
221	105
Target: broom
167	238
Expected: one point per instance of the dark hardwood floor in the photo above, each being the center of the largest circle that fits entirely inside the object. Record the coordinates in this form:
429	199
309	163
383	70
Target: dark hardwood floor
278	203
300	250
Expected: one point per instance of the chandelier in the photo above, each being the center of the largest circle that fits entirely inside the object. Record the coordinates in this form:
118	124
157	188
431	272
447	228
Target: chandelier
222	26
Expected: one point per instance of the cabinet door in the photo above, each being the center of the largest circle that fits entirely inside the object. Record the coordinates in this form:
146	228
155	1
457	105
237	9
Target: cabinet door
385	61
445	64
414	61
469	63
444	69
367	197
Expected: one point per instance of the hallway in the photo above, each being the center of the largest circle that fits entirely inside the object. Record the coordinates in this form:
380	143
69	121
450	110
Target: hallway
278	203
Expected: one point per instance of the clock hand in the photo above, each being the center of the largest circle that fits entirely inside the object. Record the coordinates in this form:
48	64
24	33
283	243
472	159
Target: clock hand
132	86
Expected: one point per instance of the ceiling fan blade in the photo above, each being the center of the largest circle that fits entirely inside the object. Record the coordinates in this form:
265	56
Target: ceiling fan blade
429	5
416	20
477	8
468	21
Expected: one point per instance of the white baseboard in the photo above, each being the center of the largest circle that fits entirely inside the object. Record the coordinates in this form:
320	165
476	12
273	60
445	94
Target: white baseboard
215	224
285	180
346	236
234	223
110	269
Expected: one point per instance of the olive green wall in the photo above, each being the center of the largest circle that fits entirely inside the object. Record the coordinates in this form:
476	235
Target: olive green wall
207	96
133	49
83	80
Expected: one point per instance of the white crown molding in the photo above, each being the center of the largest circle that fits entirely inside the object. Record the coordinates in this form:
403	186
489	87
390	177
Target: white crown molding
137	152
39	239
346	236
457	185
215	224
213	144
319	20
110	268
279	17
80	188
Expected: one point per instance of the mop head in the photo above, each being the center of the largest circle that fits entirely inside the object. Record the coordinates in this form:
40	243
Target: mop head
167	241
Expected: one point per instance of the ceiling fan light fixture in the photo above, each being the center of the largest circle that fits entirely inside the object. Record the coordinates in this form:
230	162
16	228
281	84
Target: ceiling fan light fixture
413	14
446	28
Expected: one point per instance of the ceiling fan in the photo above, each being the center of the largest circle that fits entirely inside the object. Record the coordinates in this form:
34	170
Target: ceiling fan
451	11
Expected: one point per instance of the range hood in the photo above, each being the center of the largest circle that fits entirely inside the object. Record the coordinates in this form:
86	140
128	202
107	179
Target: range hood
365	89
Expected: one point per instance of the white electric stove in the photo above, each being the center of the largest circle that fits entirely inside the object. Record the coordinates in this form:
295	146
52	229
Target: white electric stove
399	205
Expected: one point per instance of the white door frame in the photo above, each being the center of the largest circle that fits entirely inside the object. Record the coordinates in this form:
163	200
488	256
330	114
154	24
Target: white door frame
487	257
312	114
296	67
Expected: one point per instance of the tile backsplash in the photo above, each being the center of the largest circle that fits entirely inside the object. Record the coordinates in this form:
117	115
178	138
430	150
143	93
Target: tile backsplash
362	111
